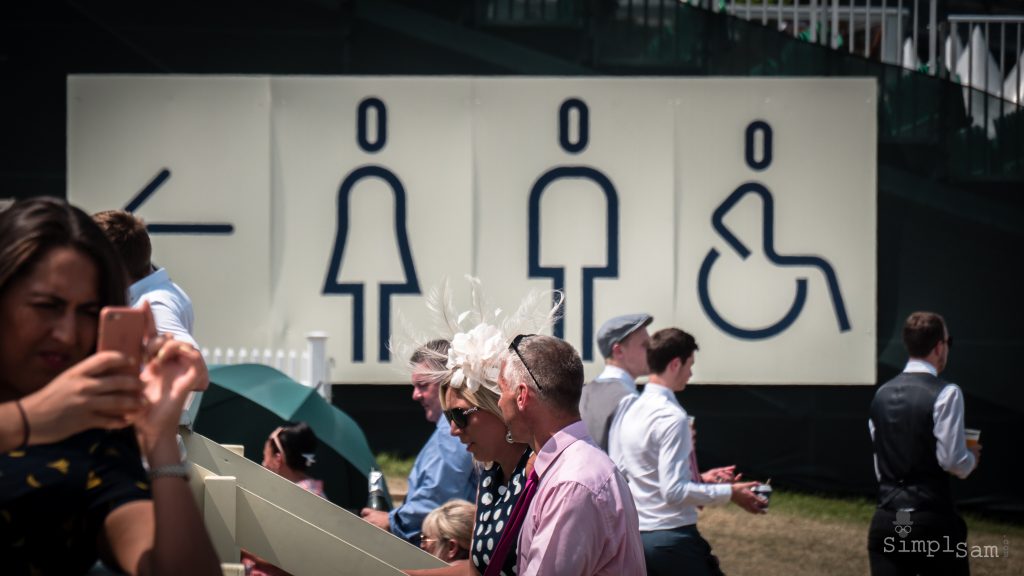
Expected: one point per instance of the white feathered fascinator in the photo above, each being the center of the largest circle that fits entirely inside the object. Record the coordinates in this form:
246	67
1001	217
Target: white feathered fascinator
478	335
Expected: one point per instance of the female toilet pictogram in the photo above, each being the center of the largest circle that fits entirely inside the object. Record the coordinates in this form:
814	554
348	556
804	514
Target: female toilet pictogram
356	289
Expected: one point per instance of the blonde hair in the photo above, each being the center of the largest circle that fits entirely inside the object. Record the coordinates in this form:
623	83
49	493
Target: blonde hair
453	520
483	398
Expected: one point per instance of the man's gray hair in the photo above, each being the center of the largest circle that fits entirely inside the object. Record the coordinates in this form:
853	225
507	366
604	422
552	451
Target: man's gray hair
555	366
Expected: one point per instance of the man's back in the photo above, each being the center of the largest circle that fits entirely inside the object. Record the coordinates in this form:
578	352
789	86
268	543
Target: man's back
904	443
598	402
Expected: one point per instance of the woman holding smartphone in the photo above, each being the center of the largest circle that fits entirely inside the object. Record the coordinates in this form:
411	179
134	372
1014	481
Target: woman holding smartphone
75	423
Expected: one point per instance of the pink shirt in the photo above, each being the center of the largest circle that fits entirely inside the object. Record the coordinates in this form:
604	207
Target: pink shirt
582	520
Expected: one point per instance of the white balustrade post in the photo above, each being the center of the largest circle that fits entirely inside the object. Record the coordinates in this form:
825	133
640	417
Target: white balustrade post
293	366
319	377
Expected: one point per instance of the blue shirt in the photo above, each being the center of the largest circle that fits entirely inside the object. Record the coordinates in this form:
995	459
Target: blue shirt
443	470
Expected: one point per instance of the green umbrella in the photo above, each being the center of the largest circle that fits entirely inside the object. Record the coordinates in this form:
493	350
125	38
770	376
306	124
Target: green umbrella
246	402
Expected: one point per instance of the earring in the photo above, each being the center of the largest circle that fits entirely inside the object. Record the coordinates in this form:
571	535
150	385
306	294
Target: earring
508	437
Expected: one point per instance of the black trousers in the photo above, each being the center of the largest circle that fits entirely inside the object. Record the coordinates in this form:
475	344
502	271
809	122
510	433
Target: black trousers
678	551
918	543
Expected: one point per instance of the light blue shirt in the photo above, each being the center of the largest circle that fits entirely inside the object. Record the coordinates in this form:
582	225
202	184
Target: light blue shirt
443	470
172	308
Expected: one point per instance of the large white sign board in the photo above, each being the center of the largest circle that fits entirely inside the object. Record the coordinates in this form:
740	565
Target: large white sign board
741	210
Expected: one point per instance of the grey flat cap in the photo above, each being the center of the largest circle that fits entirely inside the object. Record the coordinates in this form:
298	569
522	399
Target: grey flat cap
616	330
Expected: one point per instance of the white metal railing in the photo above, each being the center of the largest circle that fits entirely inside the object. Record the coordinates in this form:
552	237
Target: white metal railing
975	64
311	367
979	51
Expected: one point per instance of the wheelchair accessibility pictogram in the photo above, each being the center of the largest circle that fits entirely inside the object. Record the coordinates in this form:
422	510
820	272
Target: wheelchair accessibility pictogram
357	289
589	273
768	228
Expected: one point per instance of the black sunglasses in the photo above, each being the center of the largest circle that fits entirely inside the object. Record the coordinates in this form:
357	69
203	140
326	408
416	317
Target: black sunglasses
460	416
514	346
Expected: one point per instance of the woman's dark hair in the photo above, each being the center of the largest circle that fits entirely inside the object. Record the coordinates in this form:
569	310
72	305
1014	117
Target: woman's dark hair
29	229
298	442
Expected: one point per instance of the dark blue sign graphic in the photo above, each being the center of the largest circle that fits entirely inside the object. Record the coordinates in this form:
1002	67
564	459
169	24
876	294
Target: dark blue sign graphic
768	227
557	273
172	228
356	289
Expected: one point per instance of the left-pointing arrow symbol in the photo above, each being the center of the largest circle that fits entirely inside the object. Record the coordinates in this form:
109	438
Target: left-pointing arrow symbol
176	227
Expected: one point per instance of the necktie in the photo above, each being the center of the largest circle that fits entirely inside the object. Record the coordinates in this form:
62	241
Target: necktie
511	534
694	470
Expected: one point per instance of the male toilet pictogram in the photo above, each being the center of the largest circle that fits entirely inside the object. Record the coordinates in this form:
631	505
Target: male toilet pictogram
589	273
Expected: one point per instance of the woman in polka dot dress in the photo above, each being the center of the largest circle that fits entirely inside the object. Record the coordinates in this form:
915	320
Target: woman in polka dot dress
469	398
476	420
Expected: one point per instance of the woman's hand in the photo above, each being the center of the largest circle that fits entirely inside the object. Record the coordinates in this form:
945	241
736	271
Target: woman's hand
176	369
90	394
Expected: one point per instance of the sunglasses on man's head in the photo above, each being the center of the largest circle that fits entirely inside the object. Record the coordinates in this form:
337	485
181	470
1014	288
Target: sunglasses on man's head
460	416
514	346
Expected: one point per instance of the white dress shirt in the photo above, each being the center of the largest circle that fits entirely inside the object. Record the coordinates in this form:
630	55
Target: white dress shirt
948	417
650	443
615	373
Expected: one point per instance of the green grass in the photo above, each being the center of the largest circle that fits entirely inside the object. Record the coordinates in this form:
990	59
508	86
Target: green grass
860	510
978	523
394	466
853	510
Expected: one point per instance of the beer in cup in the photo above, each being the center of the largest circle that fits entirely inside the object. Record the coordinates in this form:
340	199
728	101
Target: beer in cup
973	435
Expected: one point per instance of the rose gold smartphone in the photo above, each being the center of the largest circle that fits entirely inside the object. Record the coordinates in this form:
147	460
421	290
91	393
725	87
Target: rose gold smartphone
124	329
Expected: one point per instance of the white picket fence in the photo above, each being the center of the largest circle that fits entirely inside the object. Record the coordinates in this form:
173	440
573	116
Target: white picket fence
310	367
